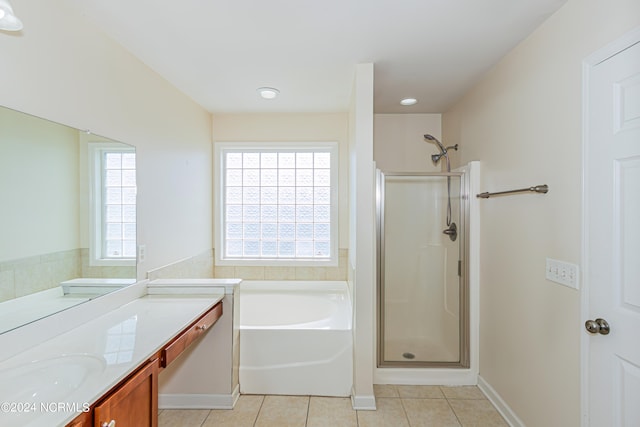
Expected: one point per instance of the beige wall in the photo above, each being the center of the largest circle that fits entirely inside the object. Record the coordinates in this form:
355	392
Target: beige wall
523	122
61	68
399	145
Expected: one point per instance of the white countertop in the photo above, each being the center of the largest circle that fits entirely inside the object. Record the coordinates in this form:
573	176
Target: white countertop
111	346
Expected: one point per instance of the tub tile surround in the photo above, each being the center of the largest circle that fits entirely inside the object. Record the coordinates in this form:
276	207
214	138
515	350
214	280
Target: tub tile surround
287	273
196	267
203	266
459	406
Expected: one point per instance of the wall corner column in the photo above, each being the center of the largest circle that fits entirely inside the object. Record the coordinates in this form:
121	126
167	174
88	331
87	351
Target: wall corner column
362	236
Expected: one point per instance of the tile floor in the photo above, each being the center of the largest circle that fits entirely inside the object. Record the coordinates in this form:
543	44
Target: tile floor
398	406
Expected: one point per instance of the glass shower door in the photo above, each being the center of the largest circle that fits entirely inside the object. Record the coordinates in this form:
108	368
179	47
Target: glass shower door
421	285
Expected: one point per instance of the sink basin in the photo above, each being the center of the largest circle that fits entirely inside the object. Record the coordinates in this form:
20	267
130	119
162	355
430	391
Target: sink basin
44	382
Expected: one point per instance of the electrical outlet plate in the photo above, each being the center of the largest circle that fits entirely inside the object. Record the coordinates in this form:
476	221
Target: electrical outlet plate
562	272
142	253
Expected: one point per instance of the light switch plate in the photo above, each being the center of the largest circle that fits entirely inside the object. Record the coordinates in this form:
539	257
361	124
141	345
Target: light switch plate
562	272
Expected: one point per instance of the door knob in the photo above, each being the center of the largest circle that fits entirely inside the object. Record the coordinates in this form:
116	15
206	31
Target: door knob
598	326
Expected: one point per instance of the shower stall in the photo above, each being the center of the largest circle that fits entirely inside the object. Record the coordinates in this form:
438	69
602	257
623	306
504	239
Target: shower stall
423	286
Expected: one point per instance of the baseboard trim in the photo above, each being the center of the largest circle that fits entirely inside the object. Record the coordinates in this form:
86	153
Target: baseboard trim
198	401
417	376
363	403
502	407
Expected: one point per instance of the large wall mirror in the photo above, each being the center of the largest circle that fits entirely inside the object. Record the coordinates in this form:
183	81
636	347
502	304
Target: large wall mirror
67	217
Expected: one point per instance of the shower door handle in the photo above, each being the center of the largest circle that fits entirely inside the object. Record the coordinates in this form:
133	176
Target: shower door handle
598	326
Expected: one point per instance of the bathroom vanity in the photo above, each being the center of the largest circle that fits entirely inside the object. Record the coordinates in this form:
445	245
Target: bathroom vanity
107	369
134	401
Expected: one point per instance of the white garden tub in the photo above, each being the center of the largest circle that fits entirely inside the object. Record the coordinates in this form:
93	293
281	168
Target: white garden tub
295	338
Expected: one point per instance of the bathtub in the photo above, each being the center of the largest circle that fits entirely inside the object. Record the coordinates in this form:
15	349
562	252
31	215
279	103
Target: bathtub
295	338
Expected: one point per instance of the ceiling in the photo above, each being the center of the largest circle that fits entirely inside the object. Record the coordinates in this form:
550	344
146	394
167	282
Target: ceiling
219	52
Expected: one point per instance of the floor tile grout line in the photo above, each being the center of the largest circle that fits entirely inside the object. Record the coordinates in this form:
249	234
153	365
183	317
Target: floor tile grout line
206	418
454	413
405	412
259	409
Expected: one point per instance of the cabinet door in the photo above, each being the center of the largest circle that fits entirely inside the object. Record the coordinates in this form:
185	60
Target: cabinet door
83	420
134	403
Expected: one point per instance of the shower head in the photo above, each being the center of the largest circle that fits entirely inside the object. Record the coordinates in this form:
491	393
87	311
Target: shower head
432	138
435	158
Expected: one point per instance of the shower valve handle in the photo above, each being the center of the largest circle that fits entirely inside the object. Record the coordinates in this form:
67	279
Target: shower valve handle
451	231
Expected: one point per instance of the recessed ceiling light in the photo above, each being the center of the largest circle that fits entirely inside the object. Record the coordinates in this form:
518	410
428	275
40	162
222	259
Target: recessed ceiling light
409	101
268	92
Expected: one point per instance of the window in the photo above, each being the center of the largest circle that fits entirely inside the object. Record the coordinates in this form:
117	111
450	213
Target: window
113	228
277	205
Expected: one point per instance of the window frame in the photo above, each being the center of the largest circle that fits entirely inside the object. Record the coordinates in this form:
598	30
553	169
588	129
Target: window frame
220	149
95	152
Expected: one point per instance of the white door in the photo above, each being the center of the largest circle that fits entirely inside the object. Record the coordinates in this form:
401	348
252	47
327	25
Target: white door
612	221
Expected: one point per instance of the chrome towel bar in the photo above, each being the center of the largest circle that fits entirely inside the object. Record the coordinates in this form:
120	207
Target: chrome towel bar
537	189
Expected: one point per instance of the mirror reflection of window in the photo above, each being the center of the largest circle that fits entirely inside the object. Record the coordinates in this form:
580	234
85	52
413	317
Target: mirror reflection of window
121	340
114	204
119	204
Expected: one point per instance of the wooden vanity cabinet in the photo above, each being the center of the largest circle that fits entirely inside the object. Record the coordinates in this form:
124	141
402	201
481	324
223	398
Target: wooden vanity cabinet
134	403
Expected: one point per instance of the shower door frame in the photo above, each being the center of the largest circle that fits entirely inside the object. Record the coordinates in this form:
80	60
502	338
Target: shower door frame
464	316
